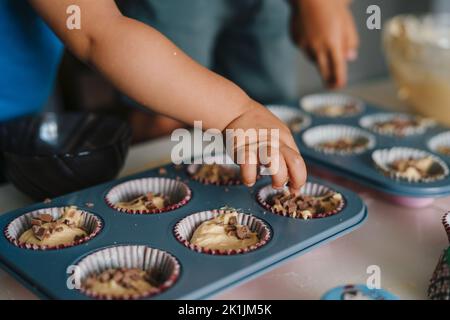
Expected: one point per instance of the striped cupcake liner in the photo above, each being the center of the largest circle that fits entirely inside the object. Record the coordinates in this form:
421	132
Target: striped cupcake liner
288	115
439	141
446	223
312	189
312	103
131	256
91	223
327	133
179	193
439	288
384	157
186	227
369	122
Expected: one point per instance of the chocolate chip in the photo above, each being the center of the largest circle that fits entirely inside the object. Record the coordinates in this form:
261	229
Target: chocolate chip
243	232
232	221
104	276
59	229
40	233
230	228
78	238
45	217
36	222
118	276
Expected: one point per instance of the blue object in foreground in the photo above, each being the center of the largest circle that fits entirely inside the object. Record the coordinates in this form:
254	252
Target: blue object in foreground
358	292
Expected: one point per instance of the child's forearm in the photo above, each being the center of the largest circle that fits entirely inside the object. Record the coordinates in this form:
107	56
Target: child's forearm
145	65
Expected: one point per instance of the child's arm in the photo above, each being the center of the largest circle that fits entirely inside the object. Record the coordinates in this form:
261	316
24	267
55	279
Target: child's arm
149	68
326	31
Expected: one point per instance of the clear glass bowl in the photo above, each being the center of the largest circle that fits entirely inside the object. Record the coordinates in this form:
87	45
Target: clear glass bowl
418	53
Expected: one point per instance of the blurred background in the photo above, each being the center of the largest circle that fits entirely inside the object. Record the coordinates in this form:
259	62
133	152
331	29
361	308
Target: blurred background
81	88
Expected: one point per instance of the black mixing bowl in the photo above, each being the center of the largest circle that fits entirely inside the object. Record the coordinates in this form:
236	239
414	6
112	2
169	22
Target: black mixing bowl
55	154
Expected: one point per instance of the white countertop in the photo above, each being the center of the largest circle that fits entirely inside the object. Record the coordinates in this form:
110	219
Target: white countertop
405	243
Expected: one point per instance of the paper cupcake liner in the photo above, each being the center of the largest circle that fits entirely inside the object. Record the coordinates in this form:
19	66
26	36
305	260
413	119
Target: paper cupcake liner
223	160
439	288
383	157
313	102
186	227
438	141
133	256
178	193
369	122
288	114
91	224
320	134
309	189
446	223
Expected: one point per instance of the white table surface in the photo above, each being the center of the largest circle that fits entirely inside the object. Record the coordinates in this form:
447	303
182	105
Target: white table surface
405	243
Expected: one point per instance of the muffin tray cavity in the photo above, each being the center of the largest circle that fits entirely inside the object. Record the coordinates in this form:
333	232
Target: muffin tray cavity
361	167
196	274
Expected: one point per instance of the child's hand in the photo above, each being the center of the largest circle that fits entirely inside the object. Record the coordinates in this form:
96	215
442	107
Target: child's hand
289	167
325	29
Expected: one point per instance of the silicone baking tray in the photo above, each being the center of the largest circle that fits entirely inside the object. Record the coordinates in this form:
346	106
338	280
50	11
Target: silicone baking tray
202	275
361	168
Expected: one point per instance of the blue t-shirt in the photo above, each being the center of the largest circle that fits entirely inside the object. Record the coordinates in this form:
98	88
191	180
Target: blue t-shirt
29	59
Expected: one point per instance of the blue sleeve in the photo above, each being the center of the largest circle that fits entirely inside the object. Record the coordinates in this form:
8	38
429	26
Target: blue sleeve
29	60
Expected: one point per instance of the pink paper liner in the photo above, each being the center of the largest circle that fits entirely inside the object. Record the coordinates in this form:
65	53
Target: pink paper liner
19	225
174	189
311	189
134	256
186	227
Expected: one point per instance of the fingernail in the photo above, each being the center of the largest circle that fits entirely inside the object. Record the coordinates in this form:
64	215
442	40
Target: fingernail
352	55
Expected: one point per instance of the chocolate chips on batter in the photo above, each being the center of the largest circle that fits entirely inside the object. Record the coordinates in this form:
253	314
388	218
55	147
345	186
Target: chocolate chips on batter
306	206
345	144
233	229
124	277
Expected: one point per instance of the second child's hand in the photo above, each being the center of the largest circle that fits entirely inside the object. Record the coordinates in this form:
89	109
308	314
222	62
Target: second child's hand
326	31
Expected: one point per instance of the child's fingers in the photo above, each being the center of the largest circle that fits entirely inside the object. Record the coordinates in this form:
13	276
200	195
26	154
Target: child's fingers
324	65
352	38
296	169
339	67
249	168
278	169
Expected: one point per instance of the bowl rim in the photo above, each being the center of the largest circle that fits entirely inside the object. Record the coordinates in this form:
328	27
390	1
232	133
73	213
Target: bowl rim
124	126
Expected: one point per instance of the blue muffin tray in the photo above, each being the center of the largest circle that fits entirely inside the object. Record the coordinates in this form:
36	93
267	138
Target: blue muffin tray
361	168
202	275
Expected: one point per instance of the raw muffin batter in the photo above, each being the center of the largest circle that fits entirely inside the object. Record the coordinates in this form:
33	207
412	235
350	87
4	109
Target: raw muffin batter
119	283
306	207
336	110
296	124
150	201
399	125
224	233
47	231
444	150
416	169
216	173
345	144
